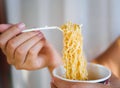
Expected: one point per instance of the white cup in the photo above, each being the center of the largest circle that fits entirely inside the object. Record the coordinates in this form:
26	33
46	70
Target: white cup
96	74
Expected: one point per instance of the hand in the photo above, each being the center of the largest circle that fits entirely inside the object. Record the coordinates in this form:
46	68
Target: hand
29	50
57	83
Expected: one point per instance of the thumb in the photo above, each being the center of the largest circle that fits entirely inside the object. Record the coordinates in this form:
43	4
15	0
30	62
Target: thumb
4	27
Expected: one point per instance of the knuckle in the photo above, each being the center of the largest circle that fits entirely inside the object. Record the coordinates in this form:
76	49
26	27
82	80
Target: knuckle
11	44
15	29
19	51
32	52
18	67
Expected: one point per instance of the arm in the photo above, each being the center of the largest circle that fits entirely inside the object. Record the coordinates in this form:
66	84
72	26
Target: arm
111	58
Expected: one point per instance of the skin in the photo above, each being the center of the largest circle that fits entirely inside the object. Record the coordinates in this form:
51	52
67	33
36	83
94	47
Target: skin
111	58
31	51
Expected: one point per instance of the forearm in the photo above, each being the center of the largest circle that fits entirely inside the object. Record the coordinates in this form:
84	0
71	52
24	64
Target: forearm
111	58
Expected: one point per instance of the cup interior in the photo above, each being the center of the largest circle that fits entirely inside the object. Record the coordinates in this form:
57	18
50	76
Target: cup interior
96	73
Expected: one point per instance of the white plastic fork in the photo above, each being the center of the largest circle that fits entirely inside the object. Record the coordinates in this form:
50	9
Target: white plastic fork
42	28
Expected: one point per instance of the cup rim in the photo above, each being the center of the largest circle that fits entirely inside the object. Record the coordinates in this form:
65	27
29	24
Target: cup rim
85	81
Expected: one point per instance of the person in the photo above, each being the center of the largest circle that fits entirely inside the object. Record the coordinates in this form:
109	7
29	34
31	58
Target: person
31	51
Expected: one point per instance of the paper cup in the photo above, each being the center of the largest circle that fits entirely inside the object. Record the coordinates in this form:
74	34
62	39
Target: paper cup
96	74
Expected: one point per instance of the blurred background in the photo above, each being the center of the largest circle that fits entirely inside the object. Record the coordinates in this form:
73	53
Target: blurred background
101	26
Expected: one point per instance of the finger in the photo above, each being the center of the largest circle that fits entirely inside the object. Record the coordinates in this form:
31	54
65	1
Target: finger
53	85
114	81
10	33
15	42
33	59
4	27
22	50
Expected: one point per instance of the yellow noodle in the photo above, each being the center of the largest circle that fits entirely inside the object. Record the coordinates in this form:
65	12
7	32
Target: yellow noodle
73	57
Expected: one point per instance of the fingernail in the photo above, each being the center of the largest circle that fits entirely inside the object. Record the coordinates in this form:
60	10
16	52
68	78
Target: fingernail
21	25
